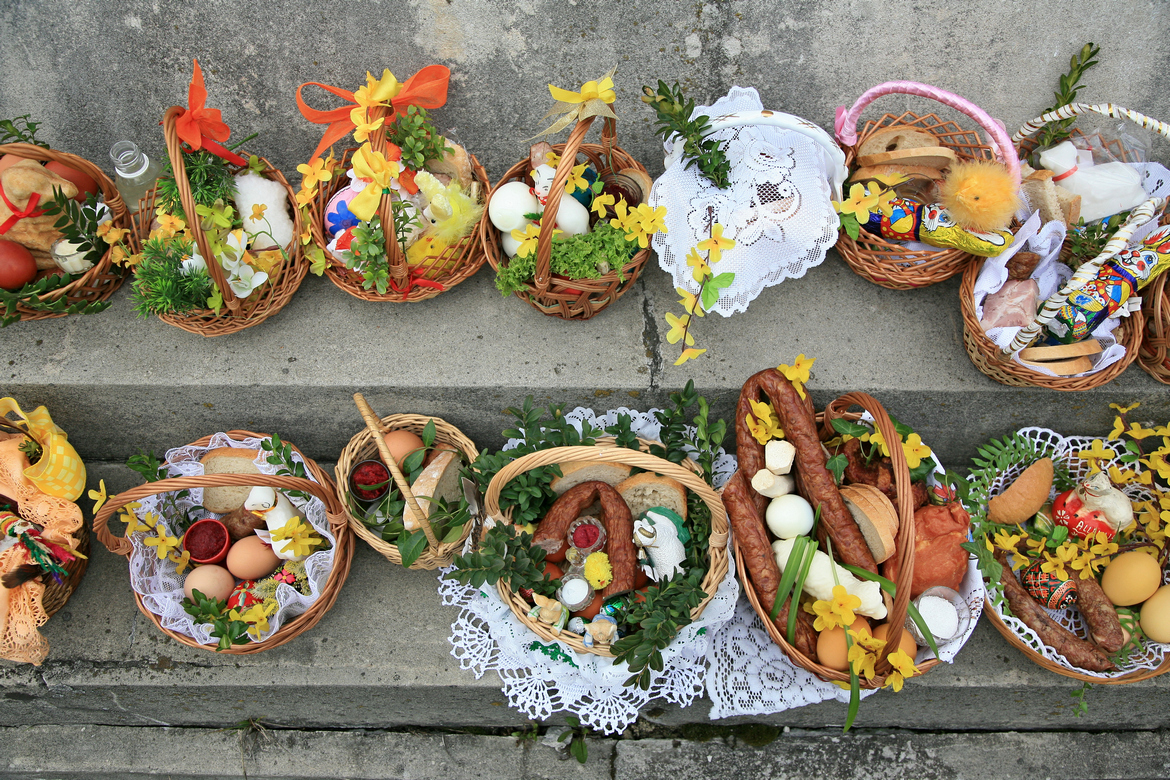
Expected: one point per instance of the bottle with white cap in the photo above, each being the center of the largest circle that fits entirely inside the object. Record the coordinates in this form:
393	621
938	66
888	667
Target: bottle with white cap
1105	189
136	173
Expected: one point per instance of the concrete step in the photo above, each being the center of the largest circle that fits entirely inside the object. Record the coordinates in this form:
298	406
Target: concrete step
380	659
109	753
117	384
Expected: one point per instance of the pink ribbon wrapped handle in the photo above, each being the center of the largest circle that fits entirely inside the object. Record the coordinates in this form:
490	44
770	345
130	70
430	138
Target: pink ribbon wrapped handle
845	125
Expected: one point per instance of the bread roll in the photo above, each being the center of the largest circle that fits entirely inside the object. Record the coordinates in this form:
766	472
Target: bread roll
228	460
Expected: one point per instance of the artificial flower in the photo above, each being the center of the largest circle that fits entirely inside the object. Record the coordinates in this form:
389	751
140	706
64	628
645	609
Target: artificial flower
1097	452
375	168
715	245
697	262
688	354
110	234
576	180
1136	431
860	203
690	302
643	222
163	543
363	129
843	604
196	121
601	201
98	496
1124	409
798	373
1054	564
915	450
1118	428
301	537
527	238
168	224
861	660
258	210
314	173
181	560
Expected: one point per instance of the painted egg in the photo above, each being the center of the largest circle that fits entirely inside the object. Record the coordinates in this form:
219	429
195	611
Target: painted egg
338	217
510	202
242	597
1048	589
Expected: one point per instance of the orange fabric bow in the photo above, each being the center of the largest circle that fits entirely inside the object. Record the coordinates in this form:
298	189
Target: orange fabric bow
425	89
200	127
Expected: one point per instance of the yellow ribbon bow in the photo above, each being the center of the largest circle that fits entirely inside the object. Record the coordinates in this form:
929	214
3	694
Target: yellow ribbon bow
372	166
60	471
591	101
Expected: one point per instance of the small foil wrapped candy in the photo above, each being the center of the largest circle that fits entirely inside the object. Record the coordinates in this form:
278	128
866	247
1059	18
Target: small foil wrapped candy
1049	589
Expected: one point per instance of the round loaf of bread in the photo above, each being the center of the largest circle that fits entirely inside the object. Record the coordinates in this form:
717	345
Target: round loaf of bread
573	474
646	491
228	460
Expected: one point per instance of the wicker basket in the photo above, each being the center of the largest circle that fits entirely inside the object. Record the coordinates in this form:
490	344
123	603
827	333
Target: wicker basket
887	263
368	444
237	314
408	284
569	299
1154	352
99	282
904	545
996	363
321	486
605	450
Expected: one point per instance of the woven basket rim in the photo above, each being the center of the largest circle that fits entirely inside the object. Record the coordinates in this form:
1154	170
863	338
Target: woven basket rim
471	256
342	557
985	354
718	562
361	447
104	277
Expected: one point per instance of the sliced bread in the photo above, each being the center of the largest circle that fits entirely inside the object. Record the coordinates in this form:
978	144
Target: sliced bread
573	474
646	491
228	460
875	516
438	480
893	139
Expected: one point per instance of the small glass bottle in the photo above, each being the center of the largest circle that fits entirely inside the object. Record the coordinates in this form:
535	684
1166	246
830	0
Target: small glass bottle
136	173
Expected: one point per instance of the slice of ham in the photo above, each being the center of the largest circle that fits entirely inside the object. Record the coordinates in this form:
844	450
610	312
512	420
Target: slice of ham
1012	306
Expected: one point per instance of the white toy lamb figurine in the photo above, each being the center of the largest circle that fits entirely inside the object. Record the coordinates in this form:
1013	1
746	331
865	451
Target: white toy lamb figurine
657	539
276	510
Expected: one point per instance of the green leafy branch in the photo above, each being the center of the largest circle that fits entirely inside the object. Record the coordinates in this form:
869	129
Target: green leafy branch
1066	92
507	555
674	118
21	131
418	139
286	466
215	611
32	296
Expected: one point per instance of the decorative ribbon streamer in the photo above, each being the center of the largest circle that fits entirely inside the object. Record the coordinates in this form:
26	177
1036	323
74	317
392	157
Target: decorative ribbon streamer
425	89
415	279
200	127
30	210
592	100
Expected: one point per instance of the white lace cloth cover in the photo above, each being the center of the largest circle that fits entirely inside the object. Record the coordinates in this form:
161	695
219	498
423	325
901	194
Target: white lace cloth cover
1152	654
540	679
162	589
751	675
777	208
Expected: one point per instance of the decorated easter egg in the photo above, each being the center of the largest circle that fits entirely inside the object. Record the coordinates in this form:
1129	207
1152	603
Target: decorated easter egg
338	217
510	202
1048	589
242	596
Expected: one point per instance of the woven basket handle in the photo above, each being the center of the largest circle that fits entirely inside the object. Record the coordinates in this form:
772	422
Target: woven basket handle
179	166
905	540
1086	273
612	454
556	191
785	122
374	424
1104	109
122	546
846	121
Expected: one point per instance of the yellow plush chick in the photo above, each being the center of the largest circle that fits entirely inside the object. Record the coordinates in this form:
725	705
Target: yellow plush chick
428	250
452	212
980	195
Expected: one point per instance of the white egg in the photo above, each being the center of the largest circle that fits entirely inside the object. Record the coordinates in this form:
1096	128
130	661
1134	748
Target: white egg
510	203
510	244
789	516
572	217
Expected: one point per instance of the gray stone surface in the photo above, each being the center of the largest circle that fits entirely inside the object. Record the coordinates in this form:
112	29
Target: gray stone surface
97	72
103	753
380	659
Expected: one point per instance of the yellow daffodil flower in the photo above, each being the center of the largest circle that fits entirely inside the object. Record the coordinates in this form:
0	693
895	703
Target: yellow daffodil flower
1124	409
163	543
576	180
861	660
697	262
894	681
110	234
915	450
678	326
901	662
527	238
181	560
314	173
98	496
1097	452
690	302
844	603
688	354
716	244
600	202
860	203
826	617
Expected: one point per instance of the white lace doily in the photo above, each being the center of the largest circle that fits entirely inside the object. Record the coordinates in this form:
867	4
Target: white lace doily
1064	449
751	675
162	589
777	208
540	679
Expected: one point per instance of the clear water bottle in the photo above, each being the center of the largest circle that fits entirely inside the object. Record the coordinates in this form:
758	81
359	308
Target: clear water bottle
136	173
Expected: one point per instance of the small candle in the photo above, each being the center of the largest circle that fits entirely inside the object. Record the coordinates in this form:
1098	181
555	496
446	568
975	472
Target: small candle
69	257
575	594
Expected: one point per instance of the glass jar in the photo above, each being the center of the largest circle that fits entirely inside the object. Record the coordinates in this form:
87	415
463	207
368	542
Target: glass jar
136	173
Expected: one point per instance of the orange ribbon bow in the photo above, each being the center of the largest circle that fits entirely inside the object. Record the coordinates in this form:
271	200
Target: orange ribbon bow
425	89
201	127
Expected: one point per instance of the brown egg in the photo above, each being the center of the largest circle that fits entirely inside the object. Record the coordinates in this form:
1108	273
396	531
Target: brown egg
401	443
591	609
831	648
1131	578
251	558
1155	619
906	643
214	582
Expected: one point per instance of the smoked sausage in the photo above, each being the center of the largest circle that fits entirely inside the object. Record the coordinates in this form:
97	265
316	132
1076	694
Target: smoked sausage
619	531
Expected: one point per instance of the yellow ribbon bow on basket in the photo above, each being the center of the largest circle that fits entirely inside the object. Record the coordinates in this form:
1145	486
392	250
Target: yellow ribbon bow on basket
591	101
60	471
